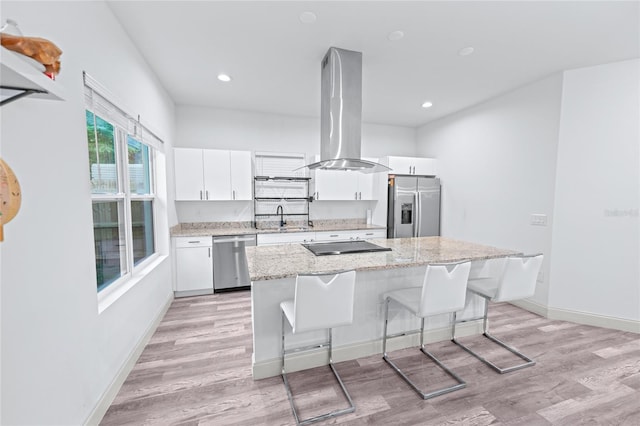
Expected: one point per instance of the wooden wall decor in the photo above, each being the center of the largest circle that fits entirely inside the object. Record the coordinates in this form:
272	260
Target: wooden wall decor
10	195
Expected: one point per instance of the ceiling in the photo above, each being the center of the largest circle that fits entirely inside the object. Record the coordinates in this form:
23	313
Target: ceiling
274	58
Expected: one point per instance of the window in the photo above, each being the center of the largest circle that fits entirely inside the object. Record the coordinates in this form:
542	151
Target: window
122	188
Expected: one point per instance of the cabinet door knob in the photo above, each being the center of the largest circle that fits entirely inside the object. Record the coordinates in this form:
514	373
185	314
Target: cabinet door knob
201	195
207	192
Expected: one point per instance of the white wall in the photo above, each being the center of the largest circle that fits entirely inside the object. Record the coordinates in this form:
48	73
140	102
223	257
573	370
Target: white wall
596	256
497	163
567	147
199	127
59	355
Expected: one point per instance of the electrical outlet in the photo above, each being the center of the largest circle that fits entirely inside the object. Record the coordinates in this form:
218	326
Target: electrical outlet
540	278
539	219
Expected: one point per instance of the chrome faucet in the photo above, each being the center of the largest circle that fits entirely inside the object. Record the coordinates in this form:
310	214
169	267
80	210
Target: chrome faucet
280	211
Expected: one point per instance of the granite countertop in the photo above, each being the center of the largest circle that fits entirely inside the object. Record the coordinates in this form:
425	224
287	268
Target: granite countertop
266	262
242	228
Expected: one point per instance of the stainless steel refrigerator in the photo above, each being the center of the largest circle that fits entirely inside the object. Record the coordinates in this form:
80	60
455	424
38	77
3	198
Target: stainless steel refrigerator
413	206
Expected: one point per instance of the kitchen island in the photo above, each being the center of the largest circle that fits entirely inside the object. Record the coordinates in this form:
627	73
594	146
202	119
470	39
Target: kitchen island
273	269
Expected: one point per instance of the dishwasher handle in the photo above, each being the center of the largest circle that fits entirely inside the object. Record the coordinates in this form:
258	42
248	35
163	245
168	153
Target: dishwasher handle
251	239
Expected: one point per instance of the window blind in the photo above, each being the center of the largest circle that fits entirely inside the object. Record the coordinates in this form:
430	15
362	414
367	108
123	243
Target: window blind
104	104
280	164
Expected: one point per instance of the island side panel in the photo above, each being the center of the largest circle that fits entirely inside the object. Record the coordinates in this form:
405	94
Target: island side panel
362	338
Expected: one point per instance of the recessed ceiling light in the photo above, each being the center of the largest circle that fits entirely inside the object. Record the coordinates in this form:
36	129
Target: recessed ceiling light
395	35
308	17
224	77
427	104
466	51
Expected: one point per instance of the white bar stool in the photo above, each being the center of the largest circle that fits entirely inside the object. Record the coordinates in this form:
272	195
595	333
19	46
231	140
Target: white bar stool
443	291
517	281
321	301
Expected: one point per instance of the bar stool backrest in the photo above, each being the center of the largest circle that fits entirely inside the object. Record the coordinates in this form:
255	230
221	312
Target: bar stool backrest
518	280
444	288
323	301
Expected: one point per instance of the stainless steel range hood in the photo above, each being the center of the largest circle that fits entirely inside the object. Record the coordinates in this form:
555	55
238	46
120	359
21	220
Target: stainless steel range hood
341	114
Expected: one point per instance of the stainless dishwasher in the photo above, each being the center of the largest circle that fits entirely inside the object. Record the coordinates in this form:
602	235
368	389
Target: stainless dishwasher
230	271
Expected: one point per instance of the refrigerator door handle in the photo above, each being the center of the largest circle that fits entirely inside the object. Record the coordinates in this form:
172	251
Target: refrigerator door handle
418	214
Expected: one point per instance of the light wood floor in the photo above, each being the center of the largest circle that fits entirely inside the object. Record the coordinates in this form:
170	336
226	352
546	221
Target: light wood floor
196	370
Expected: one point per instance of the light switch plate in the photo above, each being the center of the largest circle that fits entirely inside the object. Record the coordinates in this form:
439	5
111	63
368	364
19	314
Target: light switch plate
539	219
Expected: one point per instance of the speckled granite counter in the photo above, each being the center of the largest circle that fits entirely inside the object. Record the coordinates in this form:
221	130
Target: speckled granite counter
240	228
266	262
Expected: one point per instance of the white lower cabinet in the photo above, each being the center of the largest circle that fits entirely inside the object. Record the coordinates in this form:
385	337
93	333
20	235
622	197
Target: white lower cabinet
350	235
373	233
320	236
194	266
285	238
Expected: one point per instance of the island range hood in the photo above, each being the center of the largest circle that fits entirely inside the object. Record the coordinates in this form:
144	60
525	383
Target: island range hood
341	114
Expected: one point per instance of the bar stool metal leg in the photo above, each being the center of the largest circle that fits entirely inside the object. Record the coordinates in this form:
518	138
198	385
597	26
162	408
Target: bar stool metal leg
425	395
325	416
485	328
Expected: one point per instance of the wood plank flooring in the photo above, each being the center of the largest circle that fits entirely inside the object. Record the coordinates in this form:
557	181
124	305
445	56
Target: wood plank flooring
196	370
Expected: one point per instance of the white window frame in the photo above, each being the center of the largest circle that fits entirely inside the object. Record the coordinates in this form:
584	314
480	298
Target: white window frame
130	272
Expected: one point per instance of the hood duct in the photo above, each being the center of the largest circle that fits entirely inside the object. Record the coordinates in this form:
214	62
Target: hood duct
341	114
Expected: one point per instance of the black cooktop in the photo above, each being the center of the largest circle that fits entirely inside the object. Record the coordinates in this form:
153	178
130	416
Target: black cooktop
343	247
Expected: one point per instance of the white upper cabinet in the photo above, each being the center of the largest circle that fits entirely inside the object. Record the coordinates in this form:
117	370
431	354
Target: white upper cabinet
212	174
412	166
335	185
241	176
342	185
366	181
217	174
189	174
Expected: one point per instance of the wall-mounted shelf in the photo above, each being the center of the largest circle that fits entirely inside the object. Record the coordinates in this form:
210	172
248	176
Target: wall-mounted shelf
19	78
289	193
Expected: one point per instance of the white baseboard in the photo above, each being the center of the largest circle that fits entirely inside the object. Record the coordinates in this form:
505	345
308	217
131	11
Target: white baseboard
190	293
318	358
114	387
531	306
596	320
586	318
